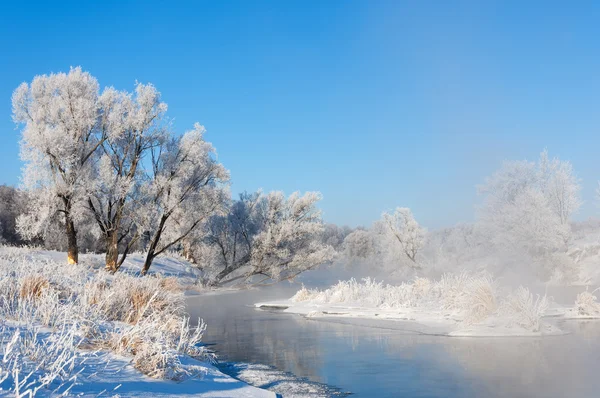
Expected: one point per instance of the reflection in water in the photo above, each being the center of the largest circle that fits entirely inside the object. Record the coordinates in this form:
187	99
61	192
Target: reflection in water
384	362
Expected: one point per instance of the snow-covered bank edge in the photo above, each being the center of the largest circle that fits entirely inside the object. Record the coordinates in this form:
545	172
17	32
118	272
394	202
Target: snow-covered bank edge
102	373
457	305
407	321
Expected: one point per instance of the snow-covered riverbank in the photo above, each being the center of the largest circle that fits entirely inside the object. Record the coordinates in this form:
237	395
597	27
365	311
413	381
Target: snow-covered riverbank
456	305
75	329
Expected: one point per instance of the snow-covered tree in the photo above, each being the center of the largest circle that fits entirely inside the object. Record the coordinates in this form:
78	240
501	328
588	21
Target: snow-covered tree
13	203
529	205
61	118
185	187
527	222
227	239
334	235
359	244
266	236
134	125
560	186
289	242
402	227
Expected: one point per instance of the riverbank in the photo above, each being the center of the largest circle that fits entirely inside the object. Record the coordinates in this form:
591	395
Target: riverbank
77	330
458	305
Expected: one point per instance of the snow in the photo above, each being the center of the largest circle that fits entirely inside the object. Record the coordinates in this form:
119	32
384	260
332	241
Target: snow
283	383
108	374
68	334
431	323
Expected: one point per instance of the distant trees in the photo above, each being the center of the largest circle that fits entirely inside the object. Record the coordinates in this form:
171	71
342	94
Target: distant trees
13	203
405	231
530	205
526	217
359	244
392	245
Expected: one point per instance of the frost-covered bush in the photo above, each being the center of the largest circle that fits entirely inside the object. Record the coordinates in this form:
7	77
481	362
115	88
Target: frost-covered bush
524	310
466	298
471	297
587	304
140	317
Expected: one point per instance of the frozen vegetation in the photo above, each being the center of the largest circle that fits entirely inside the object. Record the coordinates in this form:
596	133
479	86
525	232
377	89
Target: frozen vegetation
72	329
456	305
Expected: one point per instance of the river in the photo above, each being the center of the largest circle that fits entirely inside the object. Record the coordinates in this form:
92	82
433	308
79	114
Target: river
383	362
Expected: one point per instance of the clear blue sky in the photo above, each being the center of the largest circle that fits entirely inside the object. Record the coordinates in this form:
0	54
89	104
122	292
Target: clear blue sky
375	104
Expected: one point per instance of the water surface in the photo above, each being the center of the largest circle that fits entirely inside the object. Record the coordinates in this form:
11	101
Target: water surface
383	362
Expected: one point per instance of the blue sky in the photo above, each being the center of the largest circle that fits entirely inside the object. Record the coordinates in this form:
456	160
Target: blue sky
375	104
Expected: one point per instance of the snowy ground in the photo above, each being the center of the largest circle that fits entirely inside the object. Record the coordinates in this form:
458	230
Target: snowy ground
101	373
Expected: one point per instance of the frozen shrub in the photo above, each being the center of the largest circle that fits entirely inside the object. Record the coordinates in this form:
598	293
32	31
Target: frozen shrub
421	287
30	364
302	295
479	299
586	304
170	284
523	310
32	286
471	297
466	298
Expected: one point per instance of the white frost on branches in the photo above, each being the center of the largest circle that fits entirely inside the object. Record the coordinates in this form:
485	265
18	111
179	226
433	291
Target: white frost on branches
529	205
61	118
185	188
268	236
402	228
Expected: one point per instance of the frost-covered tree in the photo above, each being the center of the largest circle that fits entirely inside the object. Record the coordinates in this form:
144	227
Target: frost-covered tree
289	242
529	205
134	125
334	235
527	222
402	227
359	244
185	187
61	118
13	203
526	214
560	186
266	237
227	239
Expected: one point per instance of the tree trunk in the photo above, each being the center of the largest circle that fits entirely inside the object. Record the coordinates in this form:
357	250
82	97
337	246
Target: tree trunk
151	252
72	250
112	250
154	244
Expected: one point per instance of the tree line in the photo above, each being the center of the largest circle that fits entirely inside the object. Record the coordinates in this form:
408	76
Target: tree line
107	163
